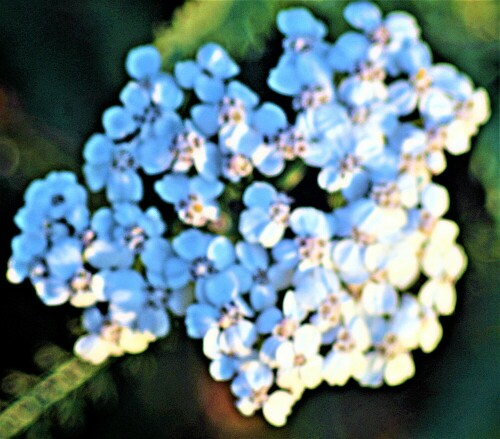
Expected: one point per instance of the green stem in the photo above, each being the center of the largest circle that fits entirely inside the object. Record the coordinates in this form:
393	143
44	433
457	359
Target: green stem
24	412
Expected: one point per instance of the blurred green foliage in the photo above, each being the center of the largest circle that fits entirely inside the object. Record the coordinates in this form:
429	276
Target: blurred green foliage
62	65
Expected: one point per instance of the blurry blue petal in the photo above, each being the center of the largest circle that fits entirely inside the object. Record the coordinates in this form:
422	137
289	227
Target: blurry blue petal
259	194
262	296
220	288
215	59
191	244
143	62
154	156
413	57
186	73
268	319
155	253
134	97
118	122
155	321
124	186
96	176
358	186
269	119
177	273
209	89
207	190
403	96
299	22
269	162
52	292
105	254
221	252
244	277
199	319
166	93
286	253
283	78
307	221
237	90
206	118
65	259
252	223
98	150
350	49
363	15
252	256
223	368
207	161
92	320
172	188
28	245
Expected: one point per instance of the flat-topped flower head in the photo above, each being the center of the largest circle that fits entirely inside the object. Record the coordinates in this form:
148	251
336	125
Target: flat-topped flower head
281	295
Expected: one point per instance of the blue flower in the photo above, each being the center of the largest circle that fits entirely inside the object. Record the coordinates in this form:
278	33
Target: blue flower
266	217
252	386
318	131
386	36
355	161
125	290
120	234
313	230
194	198
107	337
267	280
52	222
280	141
302	70
207	75
150	96
234	107
113	167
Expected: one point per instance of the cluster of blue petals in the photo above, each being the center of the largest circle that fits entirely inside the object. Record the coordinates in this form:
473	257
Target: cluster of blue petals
295	296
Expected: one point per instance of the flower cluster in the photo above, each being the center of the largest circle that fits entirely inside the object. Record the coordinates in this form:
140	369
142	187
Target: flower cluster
291	296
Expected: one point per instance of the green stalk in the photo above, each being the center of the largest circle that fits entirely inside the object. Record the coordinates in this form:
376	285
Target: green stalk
55	387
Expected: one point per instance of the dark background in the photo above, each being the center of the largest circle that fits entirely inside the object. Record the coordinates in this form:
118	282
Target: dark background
61	65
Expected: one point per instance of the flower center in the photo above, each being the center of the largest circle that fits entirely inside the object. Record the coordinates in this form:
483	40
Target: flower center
299	360
186	145
312	249
123	160
81	281
201	267
312	97
298	44
329	310
239	165
386	194
345	342
193	211
381	35
285	328
349	165
260	277
134	238
231	111
422	80
232	316
280	211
